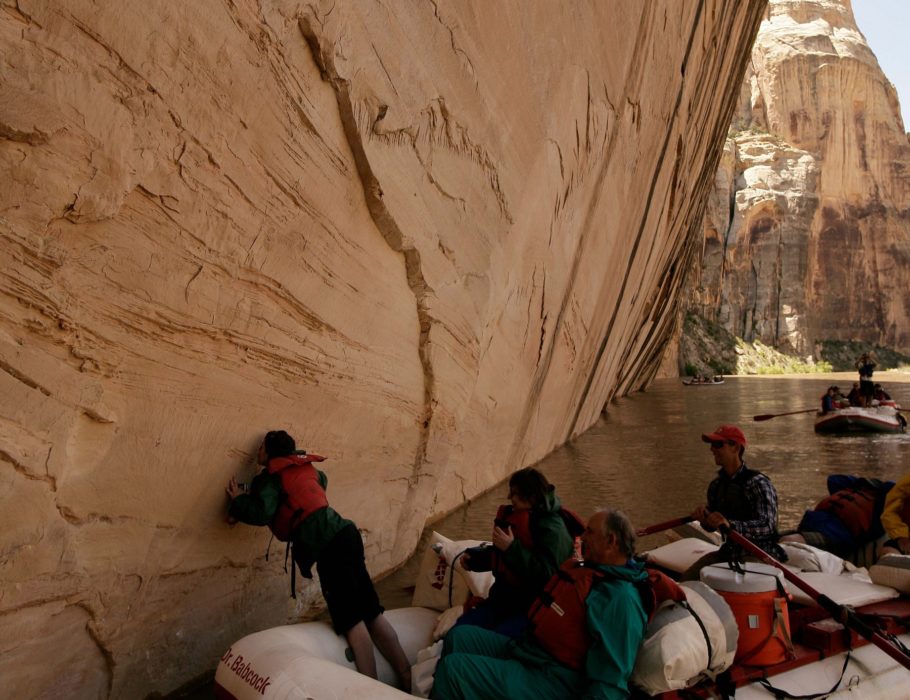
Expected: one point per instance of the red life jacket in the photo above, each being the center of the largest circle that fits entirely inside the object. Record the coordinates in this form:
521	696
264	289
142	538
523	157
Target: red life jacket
660	588
520	522
301	493
558	618
854	508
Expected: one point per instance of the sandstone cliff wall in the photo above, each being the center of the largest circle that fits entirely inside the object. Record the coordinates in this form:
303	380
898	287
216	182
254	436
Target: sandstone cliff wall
807	237
431	240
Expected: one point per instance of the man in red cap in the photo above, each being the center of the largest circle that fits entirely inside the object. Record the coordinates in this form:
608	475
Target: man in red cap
739	498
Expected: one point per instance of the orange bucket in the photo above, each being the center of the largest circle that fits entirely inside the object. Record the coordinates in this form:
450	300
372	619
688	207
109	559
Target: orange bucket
758	600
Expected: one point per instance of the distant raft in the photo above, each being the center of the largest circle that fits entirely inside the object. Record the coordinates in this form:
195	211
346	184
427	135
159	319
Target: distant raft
884	418
707	381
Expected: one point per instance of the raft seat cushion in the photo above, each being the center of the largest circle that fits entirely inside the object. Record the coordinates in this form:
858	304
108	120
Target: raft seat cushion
680	555
892	570
805	557
843	589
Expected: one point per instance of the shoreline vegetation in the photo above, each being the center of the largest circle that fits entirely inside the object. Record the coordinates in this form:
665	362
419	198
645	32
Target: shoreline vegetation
708	349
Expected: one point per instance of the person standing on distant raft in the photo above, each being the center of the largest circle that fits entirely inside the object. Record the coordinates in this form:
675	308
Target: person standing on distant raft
739	498
530	541
289	496
866	365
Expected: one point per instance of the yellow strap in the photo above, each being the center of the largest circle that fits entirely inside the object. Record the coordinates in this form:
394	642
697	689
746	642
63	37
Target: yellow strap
779	628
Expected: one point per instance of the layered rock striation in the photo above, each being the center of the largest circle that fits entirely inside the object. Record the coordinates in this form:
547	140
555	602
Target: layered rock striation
431	240
807	237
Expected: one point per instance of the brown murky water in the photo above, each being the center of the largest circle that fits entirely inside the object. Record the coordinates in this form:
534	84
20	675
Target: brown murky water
646	456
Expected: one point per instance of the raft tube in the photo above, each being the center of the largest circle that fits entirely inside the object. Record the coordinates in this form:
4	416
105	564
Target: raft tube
878	419
310	660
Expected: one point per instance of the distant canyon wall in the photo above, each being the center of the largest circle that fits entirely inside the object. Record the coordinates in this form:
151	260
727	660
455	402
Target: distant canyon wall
807	234
430	239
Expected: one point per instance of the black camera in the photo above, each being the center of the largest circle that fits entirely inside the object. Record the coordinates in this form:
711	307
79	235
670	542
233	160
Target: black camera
479	558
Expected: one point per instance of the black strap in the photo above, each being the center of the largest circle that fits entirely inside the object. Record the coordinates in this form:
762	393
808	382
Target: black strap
452	573
896	642
739	566
704	630
725	685
783	694
564	575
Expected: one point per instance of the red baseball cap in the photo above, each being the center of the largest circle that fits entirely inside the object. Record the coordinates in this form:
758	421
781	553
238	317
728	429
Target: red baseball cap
726	432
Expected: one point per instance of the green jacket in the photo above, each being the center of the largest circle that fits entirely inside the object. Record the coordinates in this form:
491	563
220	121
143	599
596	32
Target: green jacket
259	506
616	622
534	566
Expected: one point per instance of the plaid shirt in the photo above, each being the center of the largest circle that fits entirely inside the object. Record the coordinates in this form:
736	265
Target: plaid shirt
761	529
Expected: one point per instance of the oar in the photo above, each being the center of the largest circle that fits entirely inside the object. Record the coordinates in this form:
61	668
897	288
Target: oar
839	612
660	527
769	416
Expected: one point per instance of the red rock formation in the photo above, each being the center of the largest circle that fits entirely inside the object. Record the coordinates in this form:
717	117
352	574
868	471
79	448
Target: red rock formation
808	234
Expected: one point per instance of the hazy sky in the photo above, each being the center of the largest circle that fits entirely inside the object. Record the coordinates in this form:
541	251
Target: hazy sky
885	25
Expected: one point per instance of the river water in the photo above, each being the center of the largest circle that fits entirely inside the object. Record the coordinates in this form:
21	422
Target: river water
646	457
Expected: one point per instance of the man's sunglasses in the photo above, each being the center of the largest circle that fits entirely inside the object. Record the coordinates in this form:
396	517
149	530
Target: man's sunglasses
717	444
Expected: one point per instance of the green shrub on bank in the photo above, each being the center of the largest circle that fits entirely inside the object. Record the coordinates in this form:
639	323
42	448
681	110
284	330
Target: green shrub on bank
842	355
796	368
707	348
758	358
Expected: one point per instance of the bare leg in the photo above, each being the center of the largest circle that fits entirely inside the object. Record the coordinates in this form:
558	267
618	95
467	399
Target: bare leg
362	646
386	640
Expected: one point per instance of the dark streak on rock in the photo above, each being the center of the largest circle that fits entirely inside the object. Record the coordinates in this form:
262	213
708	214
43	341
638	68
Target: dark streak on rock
388	227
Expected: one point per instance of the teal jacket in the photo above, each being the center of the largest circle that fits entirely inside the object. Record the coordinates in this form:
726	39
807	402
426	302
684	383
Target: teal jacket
259	506
616	621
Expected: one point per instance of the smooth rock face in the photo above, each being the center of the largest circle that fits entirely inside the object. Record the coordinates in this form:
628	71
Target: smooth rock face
808	234
431	240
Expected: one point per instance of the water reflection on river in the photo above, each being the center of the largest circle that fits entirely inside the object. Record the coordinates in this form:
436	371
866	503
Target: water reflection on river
646	455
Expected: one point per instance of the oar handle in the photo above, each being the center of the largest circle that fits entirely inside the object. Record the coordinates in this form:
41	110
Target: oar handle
841	613
660	527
